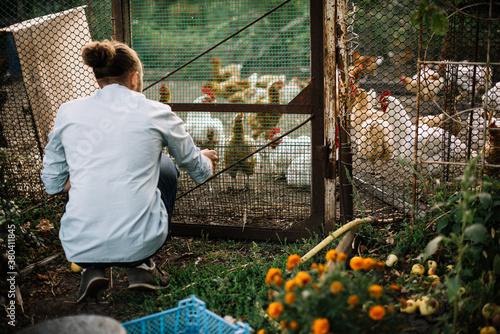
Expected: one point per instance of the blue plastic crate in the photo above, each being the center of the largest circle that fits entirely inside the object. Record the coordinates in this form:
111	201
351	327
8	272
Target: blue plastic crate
189	317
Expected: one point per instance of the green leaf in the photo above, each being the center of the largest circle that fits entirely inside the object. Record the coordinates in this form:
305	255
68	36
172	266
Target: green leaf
496	265
442	223
453	284
432	247
439	23
476	232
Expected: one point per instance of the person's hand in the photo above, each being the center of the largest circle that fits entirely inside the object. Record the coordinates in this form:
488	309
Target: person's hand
212	155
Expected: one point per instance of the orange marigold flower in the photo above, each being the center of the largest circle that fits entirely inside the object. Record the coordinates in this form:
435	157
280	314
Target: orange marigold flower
294	325
379	265
303	278
376	291
390	308
313	266
321	269
368	263
284	324
278	280
271	273
353	300
275	309
342	257
262	331
336	287
395	287
292	262
321	326
331	255
356	263
290	298
290	285
377	312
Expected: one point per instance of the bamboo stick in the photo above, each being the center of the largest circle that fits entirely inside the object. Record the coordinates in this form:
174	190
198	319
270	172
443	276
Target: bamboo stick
336	234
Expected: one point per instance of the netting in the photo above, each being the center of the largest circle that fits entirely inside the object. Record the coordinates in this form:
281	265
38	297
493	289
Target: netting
267	63
387	96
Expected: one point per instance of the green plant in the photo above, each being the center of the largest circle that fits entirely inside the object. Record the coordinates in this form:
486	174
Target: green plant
331	298
470	231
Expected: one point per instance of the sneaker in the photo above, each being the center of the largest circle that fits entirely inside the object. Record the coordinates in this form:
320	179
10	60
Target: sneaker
93	281
147	277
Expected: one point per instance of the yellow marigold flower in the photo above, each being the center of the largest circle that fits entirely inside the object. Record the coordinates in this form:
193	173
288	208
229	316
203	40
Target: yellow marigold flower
356	263
321	326
290	298
274	310
294	325
262	331
303	278
342	257
395	287
353	300
331	255
368	263
377	312
278	280
290	285
292	262
284	324
376	291
270	275
336	287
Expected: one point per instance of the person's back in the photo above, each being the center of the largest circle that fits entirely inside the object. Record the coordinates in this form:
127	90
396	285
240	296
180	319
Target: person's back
105	150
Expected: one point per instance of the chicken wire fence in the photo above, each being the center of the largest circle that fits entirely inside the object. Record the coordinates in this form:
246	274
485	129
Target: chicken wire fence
267	63
448	99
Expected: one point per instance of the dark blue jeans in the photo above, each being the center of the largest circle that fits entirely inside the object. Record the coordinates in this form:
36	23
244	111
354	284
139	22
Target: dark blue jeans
167	184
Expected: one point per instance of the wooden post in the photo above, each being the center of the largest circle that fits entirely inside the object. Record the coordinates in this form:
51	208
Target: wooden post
330	109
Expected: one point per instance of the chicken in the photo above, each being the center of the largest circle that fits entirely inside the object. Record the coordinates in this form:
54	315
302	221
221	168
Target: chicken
251	94
298	173
265	80
363	65
227	88
263	123
431	84
206	131
432	141
207	97
451	124
165	94
363	106
237	148
491	99
285	150
291	90
463	76
374	141
221	74
401	59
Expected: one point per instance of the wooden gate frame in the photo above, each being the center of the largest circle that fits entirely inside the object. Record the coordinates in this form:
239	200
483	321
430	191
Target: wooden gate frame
310	101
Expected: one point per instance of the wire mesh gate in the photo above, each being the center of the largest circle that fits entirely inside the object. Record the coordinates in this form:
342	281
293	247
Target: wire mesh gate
271	194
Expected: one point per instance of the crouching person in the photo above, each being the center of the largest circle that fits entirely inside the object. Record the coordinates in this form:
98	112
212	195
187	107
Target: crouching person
105	151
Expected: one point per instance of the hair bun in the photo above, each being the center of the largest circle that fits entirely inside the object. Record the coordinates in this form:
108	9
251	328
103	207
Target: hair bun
98	54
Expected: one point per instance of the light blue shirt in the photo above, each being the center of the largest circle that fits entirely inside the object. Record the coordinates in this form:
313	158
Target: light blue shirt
110	145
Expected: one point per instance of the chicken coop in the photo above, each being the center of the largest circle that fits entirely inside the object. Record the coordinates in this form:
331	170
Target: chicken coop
320	111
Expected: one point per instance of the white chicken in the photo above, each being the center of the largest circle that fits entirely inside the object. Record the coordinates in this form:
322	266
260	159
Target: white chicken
463	77
432	141
284	151
298	173
492	98
206	131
